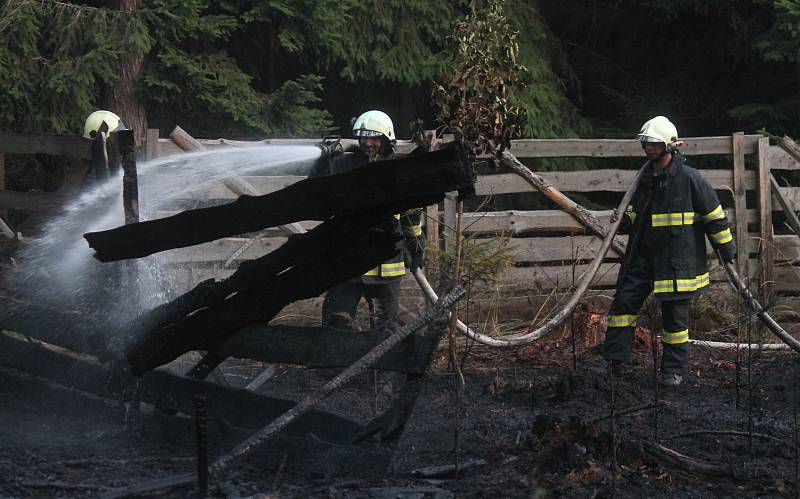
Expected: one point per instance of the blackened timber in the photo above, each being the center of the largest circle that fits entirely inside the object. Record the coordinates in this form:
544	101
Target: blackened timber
320	347
384	186
167	391
263	288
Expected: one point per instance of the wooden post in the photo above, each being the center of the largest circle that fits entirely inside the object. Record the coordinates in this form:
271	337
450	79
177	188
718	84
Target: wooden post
450	215
151	144
130	182
740	204
765	221
185	141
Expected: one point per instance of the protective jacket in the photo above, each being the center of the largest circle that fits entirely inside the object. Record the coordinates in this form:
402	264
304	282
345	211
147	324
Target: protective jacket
409	223
668	219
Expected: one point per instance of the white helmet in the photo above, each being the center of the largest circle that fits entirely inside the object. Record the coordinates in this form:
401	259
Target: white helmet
658	129
372	124
95	121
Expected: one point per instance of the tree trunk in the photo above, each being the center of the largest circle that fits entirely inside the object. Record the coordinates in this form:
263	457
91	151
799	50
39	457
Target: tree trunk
121	97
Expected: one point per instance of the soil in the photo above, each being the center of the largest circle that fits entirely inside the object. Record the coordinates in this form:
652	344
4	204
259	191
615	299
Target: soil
526	425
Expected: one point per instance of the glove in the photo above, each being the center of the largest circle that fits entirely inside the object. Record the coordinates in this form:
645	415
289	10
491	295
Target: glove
417	254
727	253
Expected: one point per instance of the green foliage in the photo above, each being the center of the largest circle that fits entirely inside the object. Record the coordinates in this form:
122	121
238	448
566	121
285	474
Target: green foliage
56	58
474	102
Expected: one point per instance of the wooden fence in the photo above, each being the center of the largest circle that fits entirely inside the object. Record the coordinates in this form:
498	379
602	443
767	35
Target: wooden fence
544	244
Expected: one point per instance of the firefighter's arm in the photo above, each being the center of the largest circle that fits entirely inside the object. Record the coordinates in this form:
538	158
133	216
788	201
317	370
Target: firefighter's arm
411	223
709	212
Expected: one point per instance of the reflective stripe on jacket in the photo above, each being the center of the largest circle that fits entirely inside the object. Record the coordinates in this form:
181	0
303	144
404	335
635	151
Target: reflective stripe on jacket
682	211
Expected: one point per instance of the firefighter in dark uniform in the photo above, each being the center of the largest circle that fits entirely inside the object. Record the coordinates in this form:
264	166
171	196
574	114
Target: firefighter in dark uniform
381	285
671	213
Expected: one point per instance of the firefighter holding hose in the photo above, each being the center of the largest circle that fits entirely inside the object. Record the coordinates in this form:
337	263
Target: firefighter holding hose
671	213
375	133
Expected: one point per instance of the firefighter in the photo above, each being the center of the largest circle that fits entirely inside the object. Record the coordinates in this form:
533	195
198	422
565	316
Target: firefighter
671	213
381	285
102	121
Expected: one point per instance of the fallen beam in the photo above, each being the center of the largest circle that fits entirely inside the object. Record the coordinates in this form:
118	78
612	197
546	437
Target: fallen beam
169	392
382	187
318	347
258	291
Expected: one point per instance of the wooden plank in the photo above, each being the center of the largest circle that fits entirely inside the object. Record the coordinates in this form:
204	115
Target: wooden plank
516	222
559	248
610	148
32	201
54	144
151	144
450	214
739	199
543	278
765	208
778	159
608	180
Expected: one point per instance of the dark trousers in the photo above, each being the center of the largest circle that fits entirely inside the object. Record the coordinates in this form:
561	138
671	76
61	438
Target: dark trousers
632	289
341	302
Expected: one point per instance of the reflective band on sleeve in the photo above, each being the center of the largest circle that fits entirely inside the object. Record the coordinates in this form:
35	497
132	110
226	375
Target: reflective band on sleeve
716	214
374	272
621	320
669	219
393	269
722	237
675	338
413	230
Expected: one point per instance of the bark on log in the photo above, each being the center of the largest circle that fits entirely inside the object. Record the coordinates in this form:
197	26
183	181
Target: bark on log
791	147
385	187
302	268
579	212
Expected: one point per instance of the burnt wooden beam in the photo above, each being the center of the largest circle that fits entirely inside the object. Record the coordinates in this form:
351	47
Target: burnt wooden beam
167	391
321	347
384	186
331	253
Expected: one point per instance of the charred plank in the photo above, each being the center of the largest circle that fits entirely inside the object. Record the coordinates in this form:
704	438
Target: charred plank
259	291
385	186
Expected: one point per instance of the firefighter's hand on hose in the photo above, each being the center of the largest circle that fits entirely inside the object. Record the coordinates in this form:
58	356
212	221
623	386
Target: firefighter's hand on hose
415	255
727	253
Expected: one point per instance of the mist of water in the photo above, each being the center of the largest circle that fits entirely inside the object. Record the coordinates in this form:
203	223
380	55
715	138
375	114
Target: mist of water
58	271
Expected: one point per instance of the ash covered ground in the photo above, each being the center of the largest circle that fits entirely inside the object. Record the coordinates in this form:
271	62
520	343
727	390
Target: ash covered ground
527	425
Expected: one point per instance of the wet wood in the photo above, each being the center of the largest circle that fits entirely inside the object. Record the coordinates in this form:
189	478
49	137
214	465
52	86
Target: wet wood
302	268
383	187
186	142
653	452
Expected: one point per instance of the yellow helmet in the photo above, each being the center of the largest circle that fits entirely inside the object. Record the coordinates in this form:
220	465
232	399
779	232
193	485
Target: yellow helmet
658	129
96	120
372	124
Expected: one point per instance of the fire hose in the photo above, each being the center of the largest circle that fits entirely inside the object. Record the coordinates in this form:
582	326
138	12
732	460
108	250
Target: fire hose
583	285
